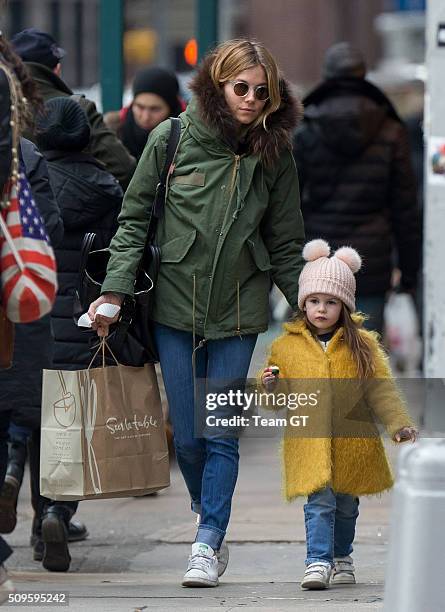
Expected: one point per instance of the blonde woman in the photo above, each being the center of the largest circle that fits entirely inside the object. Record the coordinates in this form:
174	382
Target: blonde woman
232	224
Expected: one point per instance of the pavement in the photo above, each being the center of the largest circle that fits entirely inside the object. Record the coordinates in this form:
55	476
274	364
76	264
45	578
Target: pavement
137	550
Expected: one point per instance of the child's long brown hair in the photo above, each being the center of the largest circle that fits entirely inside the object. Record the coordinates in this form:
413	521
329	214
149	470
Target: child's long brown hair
356	342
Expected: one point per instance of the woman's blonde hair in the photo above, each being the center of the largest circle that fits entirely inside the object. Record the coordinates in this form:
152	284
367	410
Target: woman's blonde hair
355	341
235	56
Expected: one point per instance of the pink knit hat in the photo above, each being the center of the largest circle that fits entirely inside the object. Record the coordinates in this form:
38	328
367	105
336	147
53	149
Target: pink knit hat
332	275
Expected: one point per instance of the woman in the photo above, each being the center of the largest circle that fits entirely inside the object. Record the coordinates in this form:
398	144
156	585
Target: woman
232	222
155	98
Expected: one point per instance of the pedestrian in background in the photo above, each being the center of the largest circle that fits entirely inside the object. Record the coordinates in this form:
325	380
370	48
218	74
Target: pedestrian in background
42	56
155	98
7	99
21	385
341	456
89	199
231	223
356	178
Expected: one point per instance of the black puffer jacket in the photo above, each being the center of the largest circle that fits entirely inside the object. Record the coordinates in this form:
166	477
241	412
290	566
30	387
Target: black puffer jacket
21	386
357	182
90	199
5	129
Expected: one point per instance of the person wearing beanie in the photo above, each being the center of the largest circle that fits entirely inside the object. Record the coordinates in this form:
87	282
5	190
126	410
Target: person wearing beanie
155	97
43	58
336	453
356	177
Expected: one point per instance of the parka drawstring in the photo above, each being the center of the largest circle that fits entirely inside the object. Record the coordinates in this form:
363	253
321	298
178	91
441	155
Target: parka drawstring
238	311
201	343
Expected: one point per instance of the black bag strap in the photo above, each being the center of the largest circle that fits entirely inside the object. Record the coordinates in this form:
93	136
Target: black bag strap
161	188
87	245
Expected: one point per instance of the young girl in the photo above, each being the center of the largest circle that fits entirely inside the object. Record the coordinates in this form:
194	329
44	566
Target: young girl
326	341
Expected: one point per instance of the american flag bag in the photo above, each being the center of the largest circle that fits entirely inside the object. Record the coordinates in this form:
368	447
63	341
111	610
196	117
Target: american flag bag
27	261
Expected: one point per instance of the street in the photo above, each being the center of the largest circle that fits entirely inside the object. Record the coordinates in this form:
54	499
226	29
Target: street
137	550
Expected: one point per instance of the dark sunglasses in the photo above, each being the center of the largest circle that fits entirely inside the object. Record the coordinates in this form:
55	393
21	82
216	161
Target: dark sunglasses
241	89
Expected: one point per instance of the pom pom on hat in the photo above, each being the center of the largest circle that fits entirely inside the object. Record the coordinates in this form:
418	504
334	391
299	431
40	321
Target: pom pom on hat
315	249
350	257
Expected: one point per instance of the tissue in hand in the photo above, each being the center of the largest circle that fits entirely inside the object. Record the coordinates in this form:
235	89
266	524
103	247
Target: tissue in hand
107	310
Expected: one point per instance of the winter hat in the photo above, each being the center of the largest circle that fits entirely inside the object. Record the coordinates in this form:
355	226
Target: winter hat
62	126
160	82
33	45
332	275
343	60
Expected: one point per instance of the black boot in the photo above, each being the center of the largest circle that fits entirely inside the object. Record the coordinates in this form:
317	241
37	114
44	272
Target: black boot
56	555
77	531
11	486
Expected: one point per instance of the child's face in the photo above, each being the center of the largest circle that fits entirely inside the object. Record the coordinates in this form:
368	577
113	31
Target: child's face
323	311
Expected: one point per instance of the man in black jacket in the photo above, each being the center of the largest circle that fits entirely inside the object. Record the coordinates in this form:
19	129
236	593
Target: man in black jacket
356	178
42	57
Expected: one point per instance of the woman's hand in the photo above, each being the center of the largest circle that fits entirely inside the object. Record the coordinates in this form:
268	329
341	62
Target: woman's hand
406	433
269	377
99	322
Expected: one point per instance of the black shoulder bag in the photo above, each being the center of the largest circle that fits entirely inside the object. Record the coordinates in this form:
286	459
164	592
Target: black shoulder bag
131	338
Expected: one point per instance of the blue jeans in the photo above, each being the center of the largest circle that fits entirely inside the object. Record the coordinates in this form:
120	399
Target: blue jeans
209	465
330	520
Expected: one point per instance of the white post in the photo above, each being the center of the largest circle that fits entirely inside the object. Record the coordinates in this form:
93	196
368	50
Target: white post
434	218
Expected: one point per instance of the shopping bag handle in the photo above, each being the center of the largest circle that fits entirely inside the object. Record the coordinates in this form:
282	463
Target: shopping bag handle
101	346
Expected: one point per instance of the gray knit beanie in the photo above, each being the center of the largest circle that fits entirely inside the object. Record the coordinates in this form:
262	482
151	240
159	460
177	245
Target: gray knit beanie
343	60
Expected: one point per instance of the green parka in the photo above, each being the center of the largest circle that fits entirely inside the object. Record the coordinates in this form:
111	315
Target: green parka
231	222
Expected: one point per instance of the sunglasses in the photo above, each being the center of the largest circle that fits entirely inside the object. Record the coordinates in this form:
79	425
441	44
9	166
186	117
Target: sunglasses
241	89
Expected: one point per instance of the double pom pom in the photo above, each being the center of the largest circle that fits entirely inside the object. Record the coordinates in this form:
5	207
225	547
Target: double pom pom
320	248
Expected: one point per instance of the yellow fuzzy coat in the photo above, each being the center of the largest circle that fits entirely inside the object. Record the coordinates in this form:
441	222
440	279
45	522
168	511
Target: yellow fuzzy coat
356	464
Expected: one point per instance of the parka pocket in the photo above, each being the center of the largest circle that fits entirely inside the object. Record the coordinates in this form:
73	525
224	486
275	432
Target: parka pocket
175	250
259	254
194	179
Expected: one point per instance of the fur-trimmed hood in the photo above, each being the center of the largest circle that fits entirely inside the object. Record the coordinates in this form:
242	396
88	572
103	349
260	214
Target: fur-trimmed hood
215	113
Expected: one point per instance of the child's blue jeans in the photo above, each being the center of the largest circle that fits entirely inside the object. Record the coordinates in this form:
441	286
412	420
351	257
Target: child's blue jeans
330	520
209	465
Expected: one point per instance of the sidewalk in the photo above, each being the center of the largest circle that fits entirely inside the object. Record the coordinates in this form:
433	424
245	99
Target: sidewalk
137	551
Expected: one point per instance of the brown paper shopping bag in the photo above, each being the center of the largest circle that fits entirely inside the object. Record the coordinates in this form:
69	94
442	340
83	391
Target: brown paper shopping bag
103	433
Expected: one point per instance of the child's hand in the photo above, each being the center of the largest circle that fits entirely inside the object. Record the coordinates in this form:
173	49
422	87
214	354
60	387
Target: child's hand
406	433
269	377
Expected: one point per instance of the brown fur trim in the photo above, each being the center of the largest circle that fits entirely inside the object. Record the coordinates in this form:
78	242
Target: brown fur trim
216	114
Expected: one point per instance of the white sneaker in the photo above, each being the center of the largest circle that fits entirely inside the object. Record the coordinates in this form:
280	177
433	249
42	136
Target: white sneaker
202	570
6	585
316	576
222	554
223	558
343	571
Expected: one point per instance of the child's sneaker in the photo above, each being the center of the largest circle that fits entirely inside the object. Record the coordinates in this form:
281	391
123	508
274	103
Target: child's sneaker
343	571
202	569
316	576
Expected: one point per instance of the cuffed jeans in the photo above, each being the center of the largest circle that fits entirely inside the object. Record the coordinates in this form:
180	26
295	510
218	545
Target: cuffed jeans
330	520
209	465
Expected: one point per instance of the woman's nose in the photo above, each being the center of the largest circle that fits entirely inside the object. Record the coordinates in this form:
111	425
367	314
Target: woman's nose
250	96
